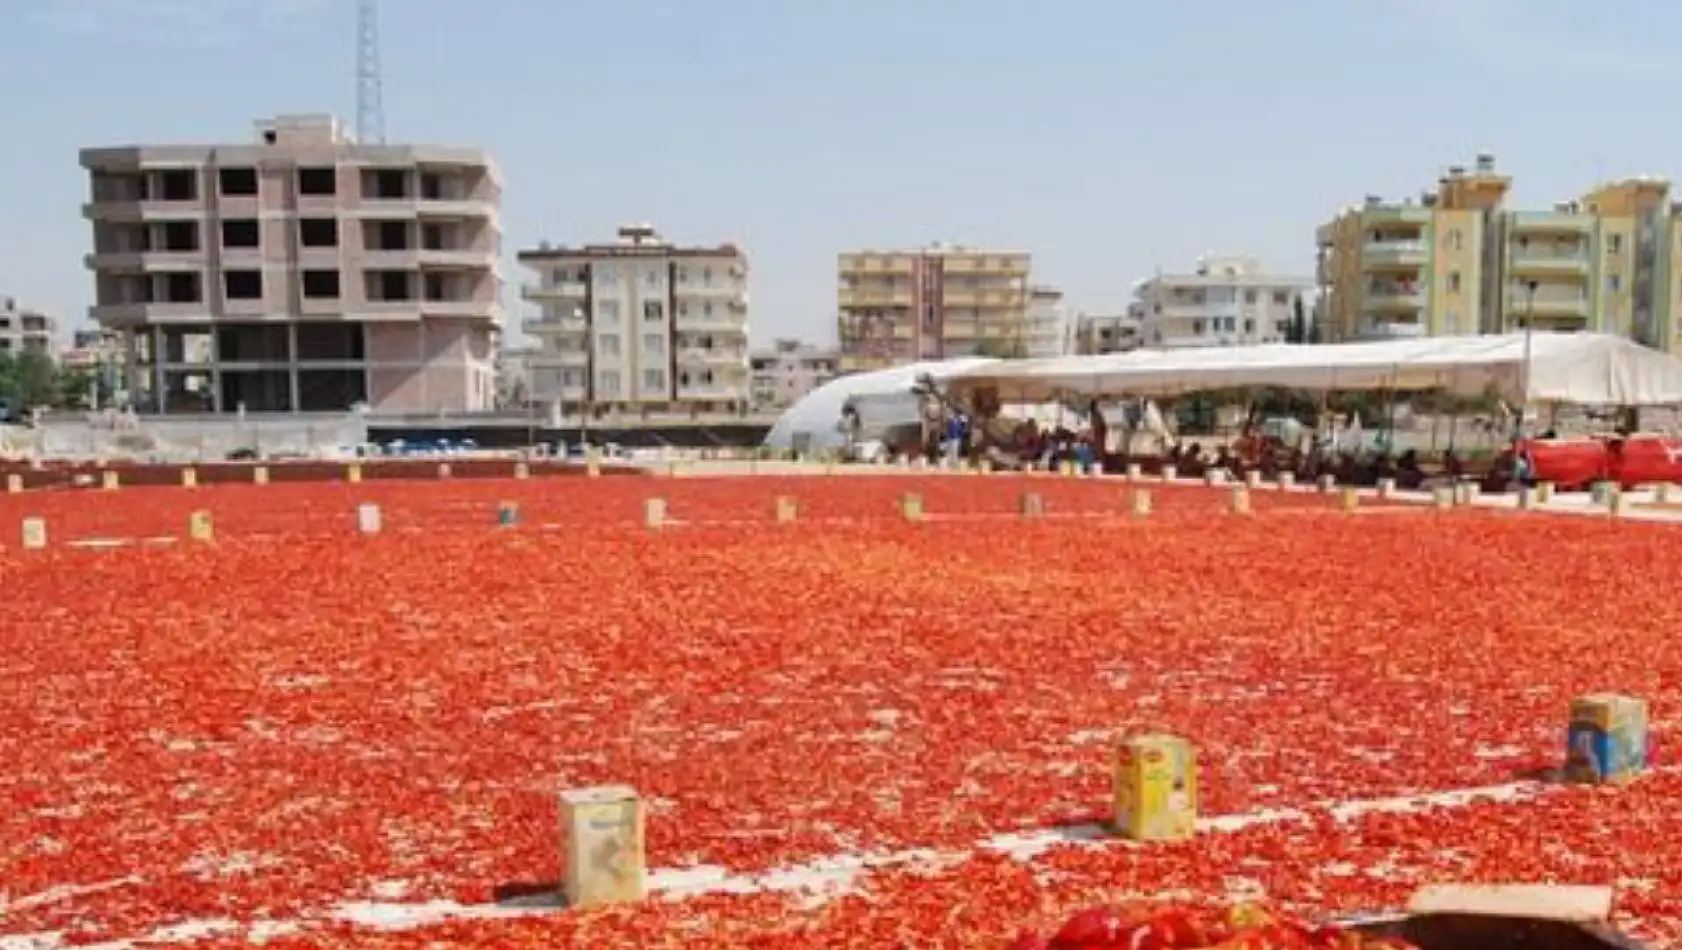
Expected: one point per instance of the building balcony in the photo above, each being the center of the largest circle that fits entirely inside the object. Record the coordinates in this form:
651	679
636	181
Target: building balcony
855	264
140	314
713	291
160	261
863	297
1549	263
965	297
554	360
136	210
562	290
1551	222
986	265
1396	214
1548	303
455	258
1403	255
1386	327
541	326
713	355
1395	297
714	323
414	207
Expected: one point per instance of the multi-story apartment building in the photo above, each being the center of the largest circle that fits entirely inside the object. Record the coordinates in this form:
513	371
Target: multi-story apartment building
639	325
1047	333
1458	261
23	330
303	271
1099	333
789	369
1224	301
943	301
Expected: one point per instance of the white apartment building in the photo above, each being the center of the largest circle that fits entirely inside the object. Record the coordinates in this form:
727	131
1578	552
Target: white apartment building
302	271
1047	332
639	325
23	330
1224	301
1099	333
790	369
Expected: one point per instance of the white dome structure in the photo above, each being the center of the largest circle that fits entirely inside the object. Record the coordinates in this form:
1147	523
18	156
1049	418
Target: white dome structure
883	398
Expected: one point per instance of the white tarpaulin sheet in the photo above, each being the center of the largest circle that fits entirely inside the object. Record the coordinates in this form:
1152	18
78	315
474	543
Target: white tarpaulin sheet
1578	368
883	399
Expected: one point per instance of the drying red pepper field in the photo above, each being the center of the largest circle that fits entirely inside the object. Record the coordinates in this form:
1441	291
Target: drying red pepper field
852	731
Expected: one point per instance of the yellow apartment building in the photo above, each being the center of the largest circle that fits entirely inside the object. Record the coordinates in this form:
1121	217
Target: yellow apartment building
1458	261
944	301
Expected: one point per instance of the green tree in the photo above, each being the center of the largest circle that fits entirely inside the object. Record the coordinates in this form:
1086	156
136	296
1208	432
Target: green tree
1297	330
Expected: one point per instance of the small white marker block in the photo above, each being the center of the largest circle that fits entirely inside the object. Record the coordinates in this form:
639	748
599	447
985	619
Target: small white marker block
911	507
1286	481
200	526
260	475
1616	503
1170	472
1387	488
1252	479
603	852
1134	471
1526	498
1664	493
654	513
1442	497
1067	469
1214	476
189	478
984	467
1348	499
1544	492
522	471
368	518
1141	504
110	481
1032	504
1327	483
353	473
444	470
1239	502
34	534
787	510
14	484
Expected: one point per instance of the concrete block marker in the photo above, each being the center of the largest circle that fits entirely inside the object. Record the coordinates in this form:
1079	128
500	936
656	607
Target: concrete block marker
201	527
592	462
1170	472
368	518
1252	479
1526	498
34	534
110	481
1442	498
1287	481
1327	484
1616	502
1386	488
911	507
984	467
260	475
1135	471
353	473
1544	492
14	484
1141	503
522	471
189	478
1348	499
444	471
787	510
1239	501
507	514
603	851
1032	504
654	514
1664	493
1066	469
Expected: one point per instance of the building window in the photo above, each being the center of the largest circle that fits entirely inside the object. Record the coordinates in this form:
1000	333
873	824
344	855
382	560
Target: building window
1615	243
318	232
607	313
321	284
654	379
242	232
654	344
653	311
1614	282
605	274
1453	281
1249	327
1454	239
1197	327
607	382
1281	298
236	182
608	344
318	181
242	284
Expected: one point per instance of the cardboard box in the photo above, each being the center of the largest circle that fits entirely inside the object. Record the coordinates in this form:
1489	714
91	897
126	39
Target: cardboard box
1606	740
1155	788
1503	917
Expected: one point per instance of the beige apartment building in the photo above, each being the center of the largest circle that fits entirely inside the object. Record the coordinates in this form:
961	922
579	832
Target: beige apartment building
789	369
302	271
1458	260
944	301
23	330
1096	334
638	325
1222	301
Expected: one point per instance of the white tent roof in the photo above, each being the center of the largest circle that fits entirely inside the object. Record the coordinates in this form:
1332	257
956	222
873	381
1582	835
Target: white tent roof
883	397
1579	368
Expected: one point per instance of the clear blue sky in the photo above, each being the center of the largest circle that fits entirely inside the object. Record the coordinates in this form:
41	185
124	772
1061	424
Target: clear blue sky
1109	138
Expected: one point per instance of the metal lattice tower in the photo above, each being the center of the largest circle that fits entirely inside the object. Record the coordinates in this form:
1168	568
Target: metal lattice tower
370	96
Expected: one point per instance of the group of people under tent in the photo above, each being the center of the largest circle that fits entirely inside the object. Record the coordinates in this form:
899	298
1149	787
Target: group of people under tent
949	430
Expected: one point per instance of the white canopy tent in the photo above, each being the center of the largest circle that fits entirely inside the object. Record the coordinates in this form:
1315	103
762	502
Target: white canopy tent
1576	368
884	399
